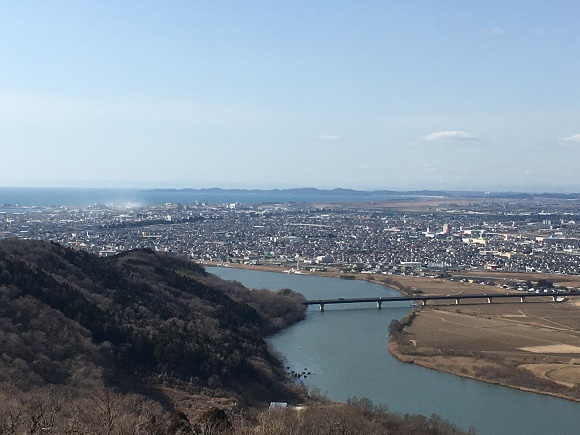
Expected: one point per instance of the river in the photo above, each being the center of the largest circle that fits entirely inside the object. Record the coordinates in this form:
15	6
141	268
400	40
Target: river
345	349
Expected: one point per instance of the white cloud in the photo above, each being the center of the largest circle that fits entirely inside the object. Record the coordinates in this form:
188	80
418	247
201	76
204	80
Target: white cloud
574	138
497	31
449	135
329	137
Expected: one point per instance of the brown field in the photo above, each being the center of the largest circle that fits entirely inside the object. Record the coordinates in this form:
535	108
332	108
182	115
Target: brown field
437	286
414	205
537	331
533	345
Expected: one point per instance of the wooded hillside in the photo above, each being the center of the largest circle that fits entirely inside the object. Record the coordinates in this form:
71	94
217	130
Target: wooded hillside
71	318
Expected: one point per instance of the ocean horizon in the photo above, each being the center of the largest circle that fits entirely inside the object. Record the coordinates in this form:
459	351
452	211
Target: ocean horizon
67	196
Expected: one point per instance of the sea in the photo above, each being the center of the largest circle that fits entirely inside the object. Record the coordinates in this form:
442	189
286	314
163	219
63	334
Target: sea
47	197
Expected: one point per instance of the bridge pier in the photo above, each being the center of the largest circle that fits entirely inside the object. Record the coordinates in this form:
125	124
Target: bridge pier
489	300
424	302
379	303
321	308
522	299
555	298
457	301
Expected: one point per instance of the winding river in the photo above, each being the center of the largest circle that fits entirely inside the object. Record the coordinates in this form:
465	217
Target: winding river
345	349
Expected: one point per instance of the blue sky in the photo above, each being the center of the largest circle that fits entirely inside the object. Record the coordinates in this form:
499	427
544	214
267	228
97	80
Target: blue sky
370	95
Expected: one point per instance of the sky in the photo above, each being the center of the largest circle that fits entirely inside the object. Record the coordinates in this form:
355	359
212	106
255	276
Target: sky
391	94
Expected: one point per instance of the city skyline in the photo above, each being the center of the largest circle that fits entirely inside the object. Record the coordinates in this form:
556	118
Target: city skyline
273	95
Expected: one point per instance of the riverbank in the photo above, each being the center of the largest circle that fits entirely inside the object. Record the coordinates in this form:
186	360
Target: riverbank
499	343
468	367
416	284
330	272
492	348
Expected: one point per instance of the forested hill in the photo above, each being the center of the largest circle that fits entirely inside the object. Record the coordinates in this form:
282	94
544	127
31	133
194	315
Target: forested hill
71	318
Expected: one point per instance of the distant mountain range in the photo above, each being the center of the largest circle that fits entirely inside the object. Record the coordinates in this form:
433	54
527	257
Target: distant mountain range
339	192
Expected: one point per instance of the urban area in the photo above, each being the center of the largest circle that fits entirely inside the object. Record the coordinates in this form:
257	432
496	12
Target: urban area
355	238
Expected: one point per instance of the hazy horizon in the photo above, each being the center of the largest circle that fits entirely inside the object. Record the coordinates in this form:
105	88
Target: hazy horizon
144	186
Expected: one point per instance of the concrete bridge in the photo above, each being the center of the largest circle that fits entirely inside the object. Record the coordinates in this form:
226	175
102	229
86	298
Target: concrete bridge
423	299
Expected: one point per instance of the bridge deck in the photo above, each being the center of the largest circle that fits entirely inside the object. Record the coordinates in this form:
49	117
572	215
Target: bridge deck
425	298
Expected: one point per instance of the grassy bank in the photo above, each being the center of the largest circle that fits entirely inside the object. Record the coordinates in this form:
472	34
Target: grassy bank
473	364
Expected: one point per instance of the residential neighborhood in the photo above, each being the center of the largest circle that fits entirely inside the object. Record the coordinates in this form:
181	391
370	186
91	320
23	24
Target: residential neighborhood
362	238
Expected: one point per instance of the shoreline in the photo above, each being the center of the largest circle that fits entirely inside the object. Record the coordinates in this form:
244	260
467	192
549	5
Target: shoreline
393	348
332	273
